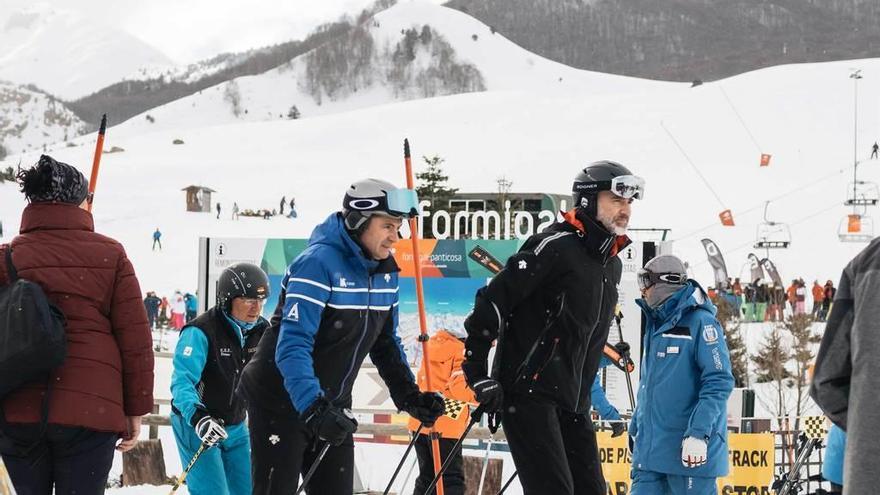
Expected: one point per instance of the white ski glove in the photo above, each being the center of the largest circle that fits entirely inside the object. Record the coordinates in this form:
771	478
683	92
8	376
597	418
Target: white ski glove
693	452
210	431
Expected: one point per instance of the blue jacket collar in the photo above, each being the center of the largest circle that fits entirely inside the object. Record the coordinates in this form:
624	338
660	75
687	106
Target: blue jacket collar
332	232
688	298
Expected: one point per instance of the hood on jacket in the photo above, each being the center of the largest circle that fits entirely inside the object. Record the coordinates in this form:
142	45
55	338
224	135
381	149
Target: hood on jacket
690	296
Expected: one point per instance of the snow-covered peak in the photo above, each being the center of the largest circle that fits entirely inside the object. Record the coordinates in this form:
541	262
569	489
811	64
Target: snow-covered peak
66	53
30	119
413	50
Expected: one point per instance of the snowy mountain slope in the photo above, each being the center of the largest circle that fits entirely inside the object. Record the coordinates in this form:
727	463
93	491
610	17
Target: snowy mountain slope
801	114
30	118
66	53
379	62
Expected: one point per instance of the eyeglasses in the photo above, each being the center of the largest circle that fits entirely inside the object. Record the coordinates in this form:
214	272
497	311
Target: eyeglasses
647	279
251	301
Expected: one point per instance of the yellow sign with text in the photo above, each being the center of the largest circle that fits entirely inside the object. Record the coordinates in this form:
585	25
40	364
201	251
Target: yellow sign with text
751	457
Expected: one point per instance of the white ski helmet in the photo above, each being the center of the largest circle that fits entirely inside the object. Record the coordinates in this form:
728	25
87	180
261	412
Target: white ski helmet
368	197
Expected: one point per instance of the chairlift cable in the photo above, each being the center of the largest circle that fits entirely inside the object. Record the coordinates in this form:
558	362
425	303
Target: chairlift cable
760	205
750	244
741	120
696	169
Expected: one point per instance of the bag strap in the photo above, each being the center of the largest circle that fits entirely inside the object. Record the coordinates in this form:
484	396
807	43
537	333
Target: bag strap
11	272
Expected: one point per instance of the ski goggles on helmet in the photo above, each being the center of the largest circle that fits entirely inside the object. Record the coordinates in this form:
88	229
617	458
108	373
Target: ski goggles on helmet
647	279
395	202
625	186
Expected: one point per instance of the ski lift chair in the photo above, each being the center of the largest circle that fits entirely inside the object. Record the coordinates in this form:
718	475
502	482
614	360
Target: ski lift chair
862	193
772	235
856	227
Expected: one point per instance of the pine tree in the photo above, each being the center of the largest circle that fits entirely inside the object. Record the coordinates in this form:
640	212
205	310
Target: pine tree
432	184
770	366
802	338
432	187
739	360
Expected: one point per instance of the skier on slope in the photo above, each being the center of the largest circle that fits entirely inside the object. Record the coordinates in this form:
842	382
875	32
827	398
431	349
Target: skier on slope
338	304
211	353
551	310
678	434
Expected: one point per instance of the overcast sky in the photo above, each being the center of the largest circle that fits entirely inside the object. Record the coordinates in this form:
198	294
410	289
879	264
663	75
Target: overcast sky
190	30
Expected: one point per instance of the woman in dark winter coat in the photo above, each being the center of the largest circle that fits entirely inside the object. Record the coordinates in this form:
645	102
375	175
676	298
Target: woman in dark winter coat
105	383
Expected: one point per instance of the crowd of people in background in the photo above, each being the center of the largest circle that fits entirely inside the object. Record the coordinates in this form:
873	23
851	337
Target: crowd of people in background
172	312
761	301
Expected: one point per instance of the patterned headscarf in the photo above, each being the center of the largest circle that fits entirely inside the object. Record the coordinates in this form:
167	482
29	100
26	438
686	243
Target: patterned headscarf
68	185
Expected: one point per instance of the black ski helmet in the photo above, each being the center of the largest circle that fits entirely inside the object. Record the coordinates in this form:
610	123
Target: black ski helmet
241	280
368	197
595	177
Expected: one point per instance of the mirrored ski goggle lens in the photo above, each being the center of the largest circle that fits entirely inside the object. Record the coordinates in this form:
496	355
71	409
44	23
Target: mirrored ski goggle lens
643	278
672	278
628	186
404	202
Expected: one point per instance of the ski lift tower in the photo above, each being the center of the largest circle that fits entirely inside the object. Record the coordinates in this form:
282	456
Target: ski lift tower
858	226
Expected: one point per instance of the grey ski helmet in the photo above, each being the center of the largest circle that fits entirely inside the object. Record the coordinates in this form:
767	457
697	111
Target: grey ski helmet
604	175
368	197
241	280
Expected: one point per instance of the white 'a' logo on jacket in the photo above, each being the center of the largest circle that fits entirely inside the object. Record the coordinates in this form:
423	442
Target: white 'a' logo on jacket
293	314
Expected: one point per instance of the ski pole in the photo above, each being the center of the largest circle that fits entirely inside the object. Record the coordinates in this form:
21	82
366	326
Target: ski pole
423	320
475	418
485	465
402	459
506	485
794	475
314	468
629	384
192	462
96	161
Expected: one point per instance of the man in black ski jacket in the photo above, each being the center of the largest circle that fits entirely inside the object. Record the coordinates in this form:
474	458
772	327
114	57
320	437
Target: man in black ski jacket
550	309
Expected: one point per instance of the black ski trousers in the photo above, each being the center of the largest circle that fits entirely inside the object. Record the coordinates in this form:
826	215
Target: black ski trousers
453	477
282	449
554	451
71	459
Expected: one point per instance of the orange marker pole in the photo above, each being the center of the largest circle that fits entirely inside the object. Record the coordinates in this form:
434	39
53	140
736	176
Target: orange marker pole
96	162
423	321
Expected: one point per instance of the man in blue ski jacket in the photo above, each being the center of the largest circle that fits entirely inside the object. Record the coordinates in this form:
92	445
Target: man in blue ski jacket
210	356
679	428
339	303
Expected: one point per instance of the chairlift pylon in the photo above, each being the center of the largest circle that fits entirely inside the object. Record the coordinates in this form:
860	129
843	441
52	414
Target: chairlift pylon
772	235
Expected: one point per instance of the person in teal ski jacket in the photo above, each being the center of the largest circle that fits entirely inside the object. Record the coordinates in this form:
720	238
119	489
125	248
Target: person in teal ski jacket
679	428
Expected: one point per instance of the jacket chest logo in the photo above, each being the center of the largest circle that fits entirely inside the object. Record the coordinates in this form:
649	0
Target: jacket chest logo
345	283
387	278
225	352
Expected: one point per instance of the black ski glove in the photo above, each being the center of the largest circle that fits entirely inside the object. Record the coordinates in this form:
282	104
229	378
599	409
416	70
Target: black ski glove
617	428
489	394
328	422
487	391
622	347
424	406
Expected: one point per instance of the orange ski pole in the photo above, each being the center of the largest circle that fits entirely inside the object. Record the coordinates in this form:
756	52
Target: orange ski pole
96	162
423	322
